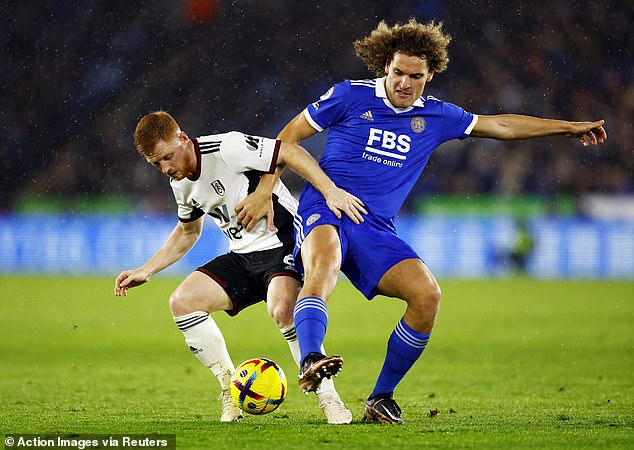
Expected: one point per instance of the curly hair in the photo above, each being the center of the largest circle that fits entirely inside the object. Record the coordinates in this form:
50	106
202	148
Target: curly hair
427	40
153	128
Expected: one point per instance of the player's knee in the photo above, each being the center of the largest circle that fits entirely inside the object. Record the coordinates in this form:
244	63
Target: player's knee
281	313
433	297
427	297
435	294
181	303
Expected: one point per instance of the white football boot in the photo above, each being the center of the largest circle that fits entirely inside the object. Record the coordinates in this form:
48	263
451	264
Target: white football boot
334	408
230	412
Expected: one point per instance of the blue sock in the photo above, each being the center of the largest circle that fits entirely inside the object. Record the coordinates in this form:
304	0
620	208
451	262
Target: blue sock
403	349
311	320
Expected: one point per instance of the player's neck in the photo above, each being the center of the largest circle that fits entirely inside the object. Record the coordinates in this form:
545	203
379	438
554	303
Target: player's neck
192	159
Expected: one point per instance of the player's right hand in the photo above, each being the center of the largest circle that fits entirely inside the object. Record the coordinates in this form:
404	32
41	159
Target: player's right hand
129	279
339	200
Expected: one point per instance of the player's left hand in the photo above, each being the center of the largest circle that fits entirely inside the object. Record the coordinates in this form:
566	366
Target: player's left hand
339	200
253	208
589	133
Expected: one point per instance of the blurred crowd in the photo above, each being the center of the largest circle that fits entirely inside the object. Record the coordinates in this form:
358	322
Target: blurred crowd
77	76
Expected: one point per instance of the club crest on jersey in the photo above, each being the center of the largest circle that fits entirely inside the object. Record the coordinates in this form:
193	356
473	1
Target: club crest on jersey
418	124
218	187
312	219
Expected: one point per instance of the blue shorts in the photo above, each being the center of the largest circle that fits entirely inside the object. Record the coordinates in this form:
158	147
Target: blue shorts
368	250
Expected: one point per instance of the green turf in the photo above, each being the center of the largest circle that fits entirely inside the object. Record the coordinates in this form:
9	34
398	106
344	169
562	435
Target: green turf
512	364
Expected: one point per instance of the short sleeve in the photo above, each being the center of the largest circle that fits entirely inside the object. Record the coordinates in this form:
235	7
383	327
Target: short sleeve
243	152
187	212
330	108
457	123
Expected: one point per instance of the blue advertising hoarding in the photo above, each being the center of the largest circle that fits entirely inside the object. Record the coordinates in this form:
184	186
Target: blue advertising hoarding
470	247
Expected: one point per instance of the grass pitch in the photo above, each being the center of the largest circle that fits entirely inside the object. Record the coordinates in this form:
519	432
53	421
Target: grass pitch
511	364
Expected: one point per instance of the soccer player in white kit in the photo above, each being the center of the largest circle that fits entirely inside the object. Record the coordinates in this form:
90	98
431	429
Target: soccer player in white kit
212	175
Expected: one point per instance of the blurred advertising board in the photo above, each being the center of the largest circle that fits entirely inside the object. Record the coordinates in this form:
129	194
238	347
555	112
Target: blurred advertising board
452	246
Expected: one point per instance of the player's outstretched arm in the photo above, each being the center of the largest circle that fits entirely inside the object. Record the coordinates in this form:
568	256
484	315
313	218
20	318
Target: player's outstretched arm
513	126
338	200
259	203
178	243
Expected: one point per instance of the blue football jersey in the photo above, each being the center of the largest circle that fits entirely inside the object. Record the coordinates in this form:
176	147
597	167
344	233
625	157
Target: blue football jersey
375	150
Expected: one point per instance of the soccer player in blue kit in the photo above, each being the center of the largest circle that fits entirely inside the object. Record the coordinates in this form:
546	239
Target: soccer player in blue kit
381	134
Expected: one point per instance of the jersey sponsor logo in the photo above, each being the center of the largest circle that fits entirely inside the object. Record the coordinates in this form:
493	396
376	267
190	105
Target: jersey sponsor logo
389	142
386	147
253	142
312	219
221	215
367	115
218	187
418	124
390	162
234	232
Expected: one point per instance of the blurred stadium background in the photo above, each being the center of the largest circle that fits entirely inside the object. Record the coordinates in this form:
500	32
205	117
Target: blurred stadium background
78	75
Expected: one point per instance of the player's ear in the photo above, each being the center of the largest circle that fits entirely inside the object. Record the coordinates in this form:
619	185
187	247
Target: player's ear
182	136
430	76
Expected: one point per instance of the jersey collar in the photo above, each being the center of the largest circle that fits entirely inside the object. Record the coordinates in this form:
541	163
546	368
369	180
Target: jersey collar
196	174
379	91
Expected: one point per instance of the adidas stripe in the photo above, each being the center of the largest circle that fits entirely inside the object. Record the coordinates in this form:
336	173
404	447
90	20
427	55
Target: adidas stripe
190	320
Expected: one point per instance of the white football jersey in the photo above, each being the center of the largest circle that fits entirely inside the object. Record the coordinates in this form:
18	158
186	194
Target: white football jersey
229	167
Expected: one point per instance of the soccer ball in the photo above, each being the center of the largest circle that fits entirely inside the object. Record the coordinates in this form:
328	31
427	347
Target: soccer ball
258	386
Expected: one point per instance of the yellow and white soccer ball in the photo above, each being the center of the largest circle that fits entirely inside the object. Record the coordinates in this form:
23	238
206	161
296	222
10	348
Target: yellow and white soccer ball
258	386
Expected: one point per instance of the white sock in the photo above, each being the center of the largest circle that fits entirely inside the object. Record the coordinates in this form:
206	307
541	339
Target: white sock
327	384
206	342
293	344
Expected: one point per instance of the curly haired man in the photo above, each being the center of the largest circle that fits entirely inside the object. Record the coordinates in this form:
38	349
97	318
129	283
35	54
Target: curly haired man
381	133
